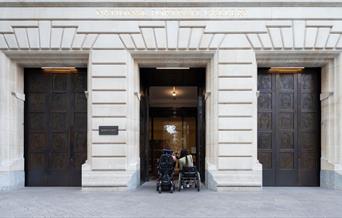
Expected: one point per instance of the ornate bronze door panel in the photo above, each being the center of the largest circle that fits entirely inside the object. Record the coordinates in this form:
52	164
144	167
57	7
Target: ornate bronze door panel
144	137
200	148
55	128
289	127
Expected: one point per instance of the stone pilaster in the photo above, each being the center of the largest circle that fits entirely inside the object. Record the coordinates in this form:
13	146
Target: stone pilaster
236	145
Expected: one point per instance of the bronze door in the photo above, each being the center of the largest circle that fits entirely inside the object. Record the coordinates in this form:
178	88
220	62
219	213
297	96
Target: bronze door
200	153
144	137
55	128
289	127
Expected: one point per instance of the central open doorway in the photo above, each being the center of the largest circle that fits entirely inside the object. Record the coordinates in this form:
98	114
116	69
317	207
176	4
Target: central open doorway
172	115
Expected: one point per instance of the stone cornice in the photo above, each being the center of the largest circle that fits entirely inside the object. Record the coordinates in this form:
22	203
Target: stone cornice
170	3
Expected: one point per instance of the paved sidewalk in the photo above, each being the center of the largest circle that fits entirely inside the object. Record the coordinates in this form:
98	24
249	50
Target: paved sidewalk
146	202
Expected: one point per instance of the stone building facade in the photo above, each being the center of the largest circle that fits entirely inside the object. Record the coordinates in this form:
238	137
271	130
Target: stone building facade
231	39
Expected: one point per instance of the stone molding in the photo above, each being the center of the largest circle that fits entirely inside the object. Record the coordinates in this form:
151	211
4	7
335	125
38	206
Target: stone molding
286	35
168	3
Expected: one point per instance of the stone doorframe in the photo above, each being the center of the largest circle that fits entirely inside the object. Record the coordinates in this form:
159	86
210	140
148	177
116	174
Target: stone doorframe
231	149
12	97
173	59
331	94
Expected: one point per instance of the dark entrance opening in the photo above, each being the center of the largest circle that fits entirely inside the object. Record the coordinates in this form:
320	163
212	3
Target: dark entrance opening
55	127
169	120
289	127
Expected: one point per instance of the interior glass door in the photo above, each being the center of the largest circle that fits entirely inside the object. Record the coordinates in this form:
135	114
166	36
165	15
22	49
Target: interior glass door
175	133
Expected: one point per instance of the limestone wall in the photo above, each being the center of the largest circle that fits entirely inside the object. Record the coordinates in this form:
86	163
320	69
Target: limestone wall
229	41
11	124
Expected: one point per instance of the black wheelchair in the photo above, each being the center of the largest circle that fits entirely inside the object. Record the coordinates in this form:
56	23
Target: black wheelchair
165	168
189	177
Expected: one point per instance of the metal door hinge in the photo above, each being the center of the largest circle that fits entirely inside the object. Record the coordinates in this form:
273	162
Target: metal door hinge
207	94
86	93
138	95
325	95
19	96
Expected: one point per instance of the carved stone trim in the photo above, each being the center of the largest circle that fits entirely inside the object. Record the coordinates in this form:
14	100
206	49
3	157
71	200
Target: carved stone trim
169	3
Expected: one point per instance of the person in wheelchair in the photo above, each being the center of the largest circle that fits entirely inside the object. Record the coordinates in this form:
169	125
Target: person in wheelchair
188	173
185	159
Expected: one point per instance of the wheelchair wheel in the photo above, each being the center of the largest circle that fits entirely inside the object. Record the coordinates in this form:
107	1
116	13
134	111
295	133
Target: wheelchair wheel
179	184
159	189
172	188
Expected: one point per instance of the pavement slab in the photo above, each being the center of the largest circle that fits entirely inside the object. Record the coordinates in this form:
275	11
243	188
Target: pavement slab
146	202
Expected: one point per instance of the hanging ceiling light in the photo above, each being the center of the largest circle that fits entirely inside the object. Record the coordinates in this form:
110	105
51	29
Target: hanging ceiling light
174	93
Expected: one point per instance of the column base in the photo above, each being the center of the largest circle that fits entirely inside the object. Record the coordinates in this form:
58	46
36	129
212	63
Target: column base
12	176
331	175
235	180
10	180
105	180
331	179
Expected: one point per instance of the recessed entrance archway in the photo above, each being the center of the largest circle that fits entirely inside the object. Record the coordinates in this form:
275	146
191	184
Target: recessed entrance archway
326	62
289	126
171	98
173	61
55	127
20	66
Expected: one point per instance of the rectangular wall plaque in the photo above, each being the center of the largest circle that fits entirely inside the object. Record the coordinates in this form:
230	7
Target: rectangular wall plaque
108	130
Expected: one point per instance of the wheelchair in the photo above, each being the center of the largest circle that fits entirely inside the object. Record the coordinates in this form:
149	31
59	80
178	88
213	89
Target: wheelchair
165	172
189	176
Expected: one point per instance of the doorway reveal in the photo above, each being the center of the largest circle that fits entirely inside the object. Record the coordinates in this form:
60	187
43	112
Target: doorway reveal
289	127
55	127
171	116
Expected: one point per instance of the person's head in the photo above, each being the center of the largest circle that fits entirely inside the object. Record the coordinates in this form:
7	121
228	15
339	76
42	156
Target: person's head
184	153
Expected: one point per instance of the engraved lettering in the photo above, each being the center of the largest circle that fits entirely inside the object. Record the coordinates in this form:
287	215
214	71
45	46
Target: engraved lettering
172	13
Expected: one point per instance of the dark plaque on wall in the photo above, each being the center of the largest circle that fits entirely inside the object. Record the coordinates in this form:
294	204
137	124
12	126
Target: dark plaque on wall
108	130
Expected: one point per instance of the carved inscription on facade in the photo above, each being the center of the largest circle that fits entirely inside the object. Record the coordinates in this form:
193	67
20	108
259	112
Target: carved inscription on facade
172	13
